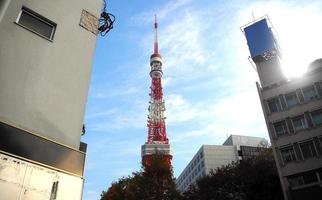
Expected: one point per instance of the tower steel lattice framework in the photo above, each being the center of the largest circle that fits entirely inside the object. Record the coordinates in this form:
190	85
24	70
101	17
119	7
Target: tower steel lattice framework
157	141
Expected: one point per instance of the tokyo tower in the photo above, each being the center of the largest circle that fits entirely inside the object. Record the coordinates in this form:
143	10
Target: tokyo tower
157	141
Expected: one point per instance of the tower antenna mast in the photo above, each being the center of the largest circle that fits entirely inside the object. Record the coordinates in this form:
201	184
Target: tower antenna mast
157	141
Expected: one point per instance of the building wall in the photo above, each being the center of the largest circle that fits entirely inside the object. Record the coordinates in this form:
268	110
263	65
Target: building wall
43	90
22	180
297	164
194	170
269	72
292	138
218	156
210	157
44	84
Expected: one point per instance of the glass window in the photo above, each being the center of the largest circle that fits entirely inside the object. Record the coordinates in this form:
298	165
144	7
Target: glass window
36	23
320	173
308	149
296	181
291	99
280	128
273	105
299	123
310	177
288	154
309	93
302	179
317	117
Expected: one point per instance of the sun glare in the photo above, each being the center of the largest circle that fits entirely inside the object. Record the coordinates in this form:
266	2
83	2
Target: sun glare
300	41
298	33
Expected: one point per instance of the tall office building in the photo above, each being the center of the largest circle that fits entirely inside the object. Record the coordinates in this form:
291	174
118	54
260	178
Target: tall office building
293	112
46	54
210	157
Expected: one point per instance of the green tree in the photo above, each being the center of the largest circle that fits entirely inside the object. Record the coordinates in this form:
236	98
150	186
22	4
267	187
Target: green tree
153	182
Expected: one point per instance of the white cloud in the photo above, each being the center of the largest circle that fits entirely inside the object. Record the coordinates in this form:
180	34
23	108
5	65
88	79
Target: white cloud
179	110
237	114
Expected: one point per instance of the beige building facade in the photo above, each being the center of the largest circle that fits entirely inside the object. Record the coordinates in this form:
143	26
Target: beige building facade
46	54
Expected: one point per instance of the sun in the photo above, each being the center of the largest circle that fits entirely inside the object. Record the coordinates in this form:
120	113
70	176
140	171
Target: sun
300	40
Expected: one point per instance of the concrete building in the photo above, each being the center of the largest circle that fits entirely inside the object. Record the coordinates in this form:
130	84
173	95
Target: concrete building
46	54
210	157
293	112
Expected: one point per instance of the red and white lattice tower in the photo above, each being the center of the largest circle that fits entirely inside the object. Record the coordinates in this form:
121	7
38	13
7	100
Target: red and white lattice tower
157	141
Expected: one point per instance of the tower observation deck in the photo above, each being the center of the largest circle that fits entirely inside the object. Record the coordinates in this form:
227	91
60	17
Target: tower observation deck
157	141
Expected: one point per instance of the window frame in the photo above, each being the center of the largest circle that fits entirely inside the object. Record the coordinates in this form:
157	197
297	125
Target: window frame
315	96
292	154
304	179
296	97
318	113
313	149
277	104
39	18
285	128
303	122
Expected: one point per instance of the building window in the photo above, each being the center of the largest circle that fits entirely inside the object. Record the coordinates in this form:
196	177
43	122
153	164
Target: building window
291	99
202	164
299	123
320	173
273	105
317	117
303	179
288	154
36	23
280	128
54	189
309	93
308	150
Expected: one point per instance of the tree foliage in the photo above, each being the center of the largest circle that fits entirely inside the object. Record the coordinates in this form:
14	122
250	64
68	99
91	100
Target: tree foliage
250	179
153	182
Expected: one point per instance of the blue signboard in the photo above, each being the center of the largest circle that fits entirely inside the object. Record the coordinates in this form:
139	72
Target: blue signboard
260	38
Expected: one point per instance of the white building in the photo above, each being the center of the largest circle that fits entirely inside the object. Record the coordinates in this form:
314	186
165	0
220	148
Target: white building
210	157
293	112
46	54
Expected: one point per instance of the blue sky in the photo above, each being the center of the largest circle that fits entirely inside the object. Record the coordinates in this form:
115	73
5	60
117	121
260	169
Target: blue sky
209	84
